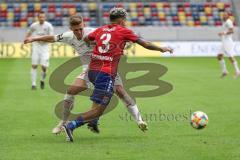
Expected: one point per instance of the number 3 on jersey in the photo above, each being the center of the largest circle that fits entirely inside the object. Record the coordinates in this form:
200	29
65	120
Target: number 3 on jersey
105	43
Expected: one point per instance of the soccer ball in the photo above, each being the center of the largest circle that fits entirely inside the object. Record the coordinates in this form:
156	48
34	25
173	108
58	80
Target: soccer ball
199	120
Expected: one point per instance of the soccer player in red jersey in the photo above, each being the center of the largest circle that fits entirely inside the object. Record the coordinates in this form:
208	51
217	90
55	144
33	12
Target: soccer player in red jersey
110	42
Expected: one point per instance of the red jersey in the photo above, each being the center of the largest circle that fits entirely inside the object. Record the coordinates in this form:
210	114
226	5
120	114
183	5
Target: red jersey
110	42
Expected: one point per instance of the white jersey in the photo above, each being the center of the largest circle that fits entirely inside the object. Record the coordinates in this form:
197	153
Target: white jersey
228	24
227	41
84	50
36	29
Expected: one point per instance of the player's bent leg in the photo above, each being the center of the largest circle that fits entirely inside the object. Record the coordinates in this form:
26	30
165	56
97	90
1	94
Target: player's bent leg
34	76
67	107
44	61
35	62
95	112
78	86
222	64
235	65
131	106
93	125
123	95
102	94
43	76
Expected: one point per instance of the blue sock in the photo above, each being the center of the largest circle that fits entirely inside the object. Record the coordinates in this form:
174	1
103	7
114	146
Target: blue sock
76	123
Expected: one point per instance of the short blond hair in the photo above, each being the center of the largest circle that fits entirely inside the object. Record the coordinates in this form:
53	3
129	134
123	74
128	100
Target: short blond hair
75	20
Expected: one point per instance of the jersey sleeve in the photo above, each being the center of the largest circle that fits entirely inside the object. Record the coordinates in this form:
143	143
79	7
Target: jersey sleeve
51	30
129	35
91	36
87	31
31	29
64	37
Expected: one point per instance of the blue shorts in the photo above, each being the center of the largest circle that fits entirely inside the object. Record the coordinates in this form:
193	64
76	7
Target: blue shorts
103	87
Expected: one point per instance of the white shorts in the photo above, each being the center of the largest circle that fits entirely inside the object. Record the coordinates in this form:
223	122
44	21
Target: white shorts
227	49
40	58
84	76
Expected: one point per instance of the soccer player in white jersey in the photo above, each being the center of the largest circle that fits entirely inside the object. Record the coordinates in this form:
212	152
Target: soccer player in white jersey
75	38
40	50
227	46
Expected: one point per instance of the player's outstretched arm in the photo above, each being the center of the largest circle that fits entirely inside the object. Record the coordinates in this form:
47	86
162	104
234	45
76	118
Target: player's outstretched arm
47	38
230	31
151	46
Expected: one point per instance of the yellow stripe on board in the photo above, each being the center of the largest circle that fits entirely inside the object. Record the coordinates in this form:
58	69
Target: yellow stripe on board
19	50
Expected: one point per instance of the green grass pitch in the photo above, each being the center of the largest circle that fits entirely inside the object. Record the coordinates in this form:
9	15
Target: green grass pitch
27	117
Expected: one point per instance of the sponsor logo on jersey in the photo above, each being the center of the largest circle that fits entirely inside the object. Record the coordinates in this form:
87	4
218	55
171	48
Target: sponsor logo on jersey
106	58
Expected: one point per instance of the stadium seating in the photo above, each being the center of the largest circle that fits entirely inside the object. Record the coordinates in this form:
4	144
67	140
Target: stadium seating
23	14
140	13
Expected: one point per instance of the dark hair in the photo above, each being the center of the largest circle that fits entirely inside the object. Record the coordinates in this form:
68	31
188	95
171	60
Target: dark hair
75	20
116	13
41	12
